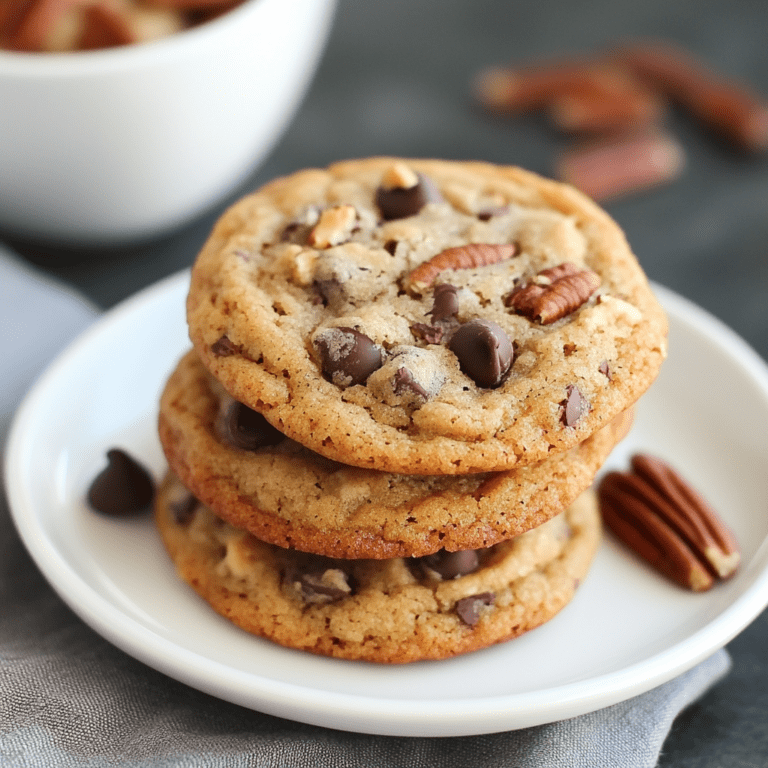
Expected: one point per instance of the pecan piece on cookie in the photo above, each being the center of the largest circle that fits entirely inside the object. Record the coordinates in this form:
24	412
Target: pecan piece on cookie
460	257
553	293
334	226
659	516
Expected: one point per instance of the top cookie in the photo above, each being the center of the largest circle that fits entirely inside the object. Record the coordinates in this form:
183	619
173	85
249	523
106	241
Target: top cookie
426	317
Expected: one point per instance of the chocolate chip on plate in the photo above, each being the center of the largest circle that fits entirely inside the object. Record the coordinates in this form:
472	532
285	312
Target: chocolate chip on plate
347	356
484	351
248	429
124	487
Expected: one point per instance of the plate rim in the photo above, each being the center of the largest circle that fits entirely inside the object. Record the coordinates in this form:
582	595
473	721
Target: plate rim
367	714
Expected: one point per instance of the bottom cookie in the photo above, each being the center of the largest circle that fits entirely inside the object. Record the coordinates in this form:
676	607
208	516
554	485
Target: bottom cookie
394	611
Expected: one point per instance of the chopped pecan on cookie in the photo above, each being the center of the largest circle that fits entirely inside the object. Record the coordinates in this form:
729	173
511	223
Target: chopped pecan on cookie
460	257
553	293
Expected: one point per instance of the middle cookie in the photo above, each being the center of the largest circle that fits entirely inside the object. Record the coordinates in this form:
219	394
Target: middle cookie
258	480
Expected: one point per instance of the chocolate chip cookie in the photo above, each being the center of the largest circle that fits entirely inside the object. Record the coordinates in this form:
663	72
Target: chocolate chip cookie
395	610
257	479
426	317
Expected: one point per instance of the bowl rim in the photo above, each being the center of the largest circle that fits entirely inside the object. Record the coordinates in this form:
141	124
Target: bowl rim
66	64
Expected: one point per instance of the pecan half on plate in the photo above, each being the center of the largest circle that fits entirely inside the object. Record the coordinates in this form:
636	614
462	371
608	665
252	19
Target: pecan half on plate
660	517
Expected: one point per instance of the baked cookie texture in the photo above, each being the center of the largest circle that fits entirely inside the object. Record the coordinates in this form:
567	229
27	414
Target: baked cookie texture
497	320
395	610
285	494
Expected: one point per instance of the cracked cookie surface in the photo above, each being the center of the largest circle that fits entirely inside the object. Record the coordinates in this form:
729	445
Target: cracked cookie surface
482	318
396	610
287	495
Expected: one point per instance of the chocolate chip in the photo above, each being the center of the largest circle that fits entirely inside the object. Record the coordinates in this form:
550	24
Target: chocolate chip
432	334
347	356
605	369
124	487
446	302
451	565
390	247
574	405
223	347
184	508
320	585
404	380
401	202
468	608
298	231
331	290
495	210
484	351
247	429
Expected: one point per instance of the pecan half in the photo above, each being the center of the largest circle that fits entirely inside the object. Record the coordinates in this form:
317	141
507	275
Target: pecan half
553	293
460	257
659	516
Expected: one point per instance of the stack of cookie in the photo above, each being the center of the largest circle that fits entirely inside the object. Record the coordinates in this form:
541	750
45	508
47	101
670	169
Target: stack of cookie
405	376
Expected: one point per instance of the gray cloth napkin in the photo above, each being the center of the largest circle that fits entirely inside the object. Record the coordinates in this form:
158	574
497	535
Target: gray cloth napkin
69	698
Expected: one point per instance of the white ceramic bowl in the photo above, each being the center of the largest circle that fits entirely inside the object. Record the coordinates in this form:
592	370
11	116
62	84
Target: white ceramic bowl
125	143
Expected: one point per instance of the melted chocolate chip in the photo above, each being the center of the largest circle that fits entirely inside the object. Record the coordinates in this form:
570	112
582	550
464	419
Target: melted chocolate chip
183	509
124	487
446	302
401	202
320	584
223	347
468	608
390	247
486	214
432	334
404	380
484	351
347	356
248	429
574	405
451	565
298	231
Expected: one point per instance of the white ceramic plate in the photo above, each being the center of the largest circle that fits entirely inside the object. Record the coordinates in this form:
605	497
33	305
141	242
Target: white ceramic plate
626	631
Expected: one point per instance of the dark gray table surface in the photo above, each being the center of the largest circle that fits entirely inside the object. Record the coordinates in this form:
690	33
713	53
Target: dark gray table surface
395	80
